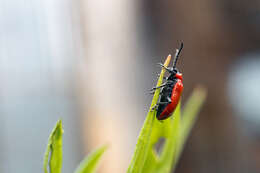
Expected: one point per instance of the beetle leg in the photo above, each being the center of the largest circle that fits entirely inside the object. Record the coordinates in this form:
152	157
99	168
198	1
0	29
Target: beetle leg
155	107
152	92
169	99
163	76
163	85
163	103
166	68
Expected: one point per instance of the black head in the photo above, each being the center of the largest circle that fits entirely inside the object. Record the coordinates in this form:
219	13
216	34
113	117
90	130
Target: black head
174	70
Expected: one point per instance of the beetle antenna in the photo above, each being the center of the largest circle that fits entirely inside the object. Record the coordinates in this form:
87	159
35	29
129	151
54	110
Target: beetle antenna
178	51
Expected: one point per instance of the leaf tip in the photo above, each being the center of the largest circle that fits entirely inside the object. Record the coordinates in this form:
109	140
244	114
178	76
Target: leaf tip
168	60
201	91
59	125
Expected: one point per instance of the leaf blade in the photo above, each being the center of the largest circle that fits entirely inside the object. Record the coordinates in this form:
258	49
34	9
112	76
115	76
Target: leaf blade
143	142
53	153
168	157
89	164
189	117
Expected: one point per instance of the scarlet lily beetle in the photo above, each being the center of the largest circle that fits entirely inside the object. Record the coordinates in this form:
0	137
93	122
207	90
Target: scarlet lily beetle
171	90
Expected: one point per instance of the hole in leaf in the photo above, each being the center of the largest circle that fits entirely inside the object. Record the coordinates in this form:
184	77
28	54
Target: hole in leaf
158	147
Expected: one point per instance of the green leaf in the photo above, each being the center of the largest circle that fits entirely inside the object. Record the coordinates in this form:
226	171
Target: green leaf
173	130
53	153
143	143
168	158
89	164
190	115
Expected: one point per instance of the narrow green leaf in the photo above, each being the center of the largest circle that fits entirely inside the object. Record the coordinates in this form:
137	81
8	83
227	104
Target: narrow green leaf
192	108
143	142
89	164
168	157
53	153
189	117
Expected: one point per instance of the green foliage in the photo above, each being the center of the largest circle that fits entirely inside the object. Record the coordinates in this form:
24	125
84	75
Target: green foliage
90	163
146	159
174	130
53	153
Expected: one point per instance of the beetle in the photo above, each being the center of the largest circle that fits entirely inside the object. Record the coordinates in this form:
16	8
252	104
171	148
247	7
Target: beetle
171	90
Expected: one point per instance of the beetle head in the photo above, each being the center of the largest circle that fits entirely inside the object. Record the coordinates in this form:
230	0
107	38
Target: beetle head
173	70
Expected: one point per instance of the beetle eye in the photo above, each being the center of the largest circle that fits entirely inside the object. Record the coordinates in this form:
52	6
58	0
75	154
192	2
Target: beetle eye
171	68
174	70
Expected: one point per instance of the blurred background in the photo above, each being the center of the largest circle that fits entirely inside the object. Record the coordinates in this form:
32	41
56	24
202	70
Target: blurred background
92	63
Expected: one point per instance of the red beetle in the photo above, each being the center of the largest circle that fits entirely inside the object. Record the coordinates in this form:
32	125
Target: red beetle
171	90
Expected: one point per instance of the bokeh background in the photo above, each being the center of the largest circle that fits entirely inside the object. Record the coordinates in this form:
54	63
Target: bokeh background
92	63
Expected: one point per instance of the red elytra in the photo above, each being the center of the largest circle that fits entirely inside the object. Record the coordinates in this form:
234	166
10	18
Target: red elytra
171	91
175	97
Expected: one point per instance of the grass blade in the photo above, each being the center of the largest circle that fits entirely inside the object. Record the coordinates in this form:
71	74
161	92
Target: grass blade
168	156
190	114
89	164
53	153
143	143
